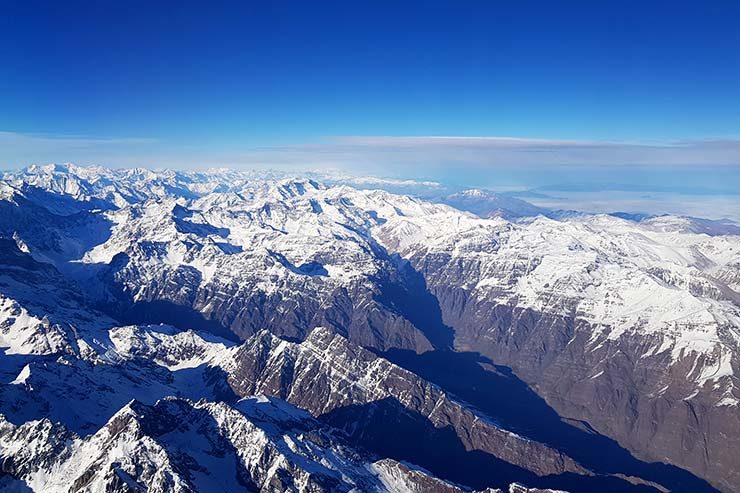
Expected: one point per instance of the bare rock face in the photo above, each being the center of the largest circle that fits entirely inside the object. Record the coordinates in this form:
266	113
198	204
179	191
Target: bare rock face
393	412
643	389
346	385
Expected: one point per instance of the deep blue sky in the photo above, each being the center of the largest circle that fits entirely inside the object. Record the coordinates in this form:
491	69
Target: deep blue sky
150	82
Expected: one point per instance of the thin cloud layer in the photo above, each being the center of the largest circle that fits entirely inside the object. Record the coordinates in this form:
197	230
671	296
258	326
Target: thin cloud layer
383	152
368	153
511	151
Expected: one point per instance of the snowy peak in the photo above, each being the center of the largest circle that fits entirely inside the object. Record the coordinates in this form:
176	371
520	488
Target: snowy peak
181	446
485	203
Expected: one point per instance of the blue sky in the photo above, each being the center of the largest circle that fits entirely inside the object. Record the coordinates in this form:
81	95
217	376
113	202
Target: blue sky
590	90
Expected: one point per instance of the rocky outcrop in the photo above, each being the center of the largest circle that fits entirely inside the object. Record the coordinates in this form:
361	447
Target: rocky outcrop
327	375
177	446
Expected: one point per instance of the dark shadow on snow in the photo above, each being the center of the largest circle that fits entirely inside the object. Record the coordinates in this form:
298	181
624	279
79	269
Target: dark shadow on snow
181	316
388	429
412	299
497	392
311	268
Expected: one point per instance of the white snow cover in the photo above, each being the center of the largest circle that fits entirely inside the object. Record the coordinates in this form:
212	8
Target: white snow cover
657	280
261	230
619	276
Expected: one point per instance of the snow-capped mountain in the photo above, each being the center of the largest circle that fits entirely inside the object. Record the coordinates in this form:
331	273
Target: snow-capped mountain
489	204
320	295
259	444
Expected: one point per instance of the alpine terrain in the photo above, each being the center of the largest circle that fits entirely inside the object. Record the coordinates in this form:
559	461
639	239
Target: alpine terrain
225	331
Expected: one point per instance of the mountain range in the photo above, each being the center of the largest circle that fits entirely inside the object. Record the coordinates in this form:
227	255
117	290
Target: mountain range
222	330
